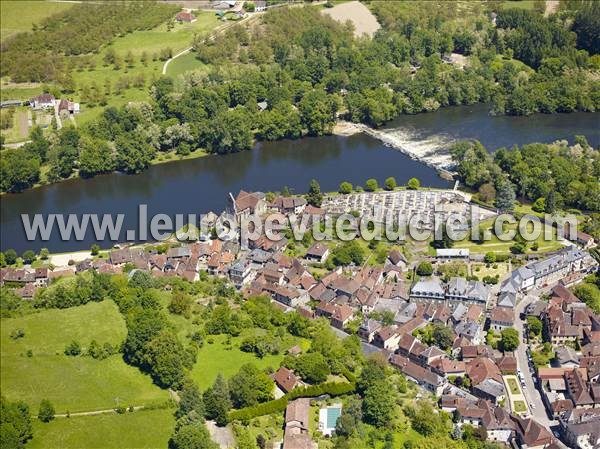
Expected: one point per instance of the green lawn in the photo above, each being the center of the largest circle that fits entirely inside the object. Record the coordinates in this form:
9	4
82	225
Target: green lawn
71	383
520	4
519	407
186	63
19	16
216	358
179	38
19	93
497	246
141	429
514	387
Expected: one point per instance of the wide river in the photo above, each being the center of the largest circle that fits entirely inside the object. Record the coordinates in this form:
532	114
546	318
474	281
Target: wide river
200	185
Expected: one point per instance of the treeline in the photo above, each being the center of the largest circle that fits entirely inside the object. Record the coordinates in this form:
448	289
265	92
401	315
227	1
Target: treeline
43	54
554	176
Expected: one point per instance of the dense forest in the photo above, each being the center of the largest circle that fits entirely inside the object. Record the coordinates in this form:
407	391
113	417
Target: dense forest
49	51
297	71
553	176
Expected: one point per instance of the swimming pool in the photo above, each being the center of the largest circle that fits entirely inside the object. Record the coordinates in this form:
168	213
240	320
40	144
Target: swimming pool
333	413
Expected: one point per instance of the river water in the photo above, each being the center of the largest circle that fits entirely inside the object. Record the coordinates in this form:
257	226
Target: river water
199	185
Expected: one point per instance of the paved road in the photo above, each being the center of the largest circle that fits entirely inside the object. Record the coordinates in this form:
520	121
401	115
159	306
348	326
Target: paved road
532	395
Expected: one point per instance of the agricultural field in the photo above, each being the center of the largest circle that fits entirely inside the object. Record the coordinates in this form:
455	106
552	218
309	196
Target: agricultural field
71	383
15	126
14	21
140	429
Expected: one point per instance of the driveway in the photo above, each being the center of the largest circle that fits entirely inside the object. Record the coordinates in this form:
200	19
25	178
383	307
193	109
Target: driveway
532	395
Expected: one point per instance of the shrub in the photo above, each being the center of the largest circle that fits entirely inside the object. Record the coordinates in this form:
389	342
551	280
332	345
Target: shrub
371	185
345	188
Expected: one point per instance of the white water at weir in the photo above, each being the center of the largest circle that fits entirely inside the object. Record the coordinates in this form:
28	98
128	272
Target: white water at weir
430	150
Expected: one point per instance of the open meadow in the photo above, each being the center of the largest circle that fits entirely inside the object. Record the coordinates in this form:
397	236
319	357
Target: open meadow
14	20
141	429
71	383
220	357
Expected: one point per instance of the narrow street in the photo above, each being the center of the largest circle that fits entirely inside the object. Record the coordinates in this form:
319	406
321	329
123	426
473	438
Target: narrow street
532	395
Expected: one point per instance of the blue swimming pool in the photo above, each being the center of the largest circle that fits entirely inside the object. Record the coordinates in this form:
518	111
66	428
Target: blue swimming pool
333	413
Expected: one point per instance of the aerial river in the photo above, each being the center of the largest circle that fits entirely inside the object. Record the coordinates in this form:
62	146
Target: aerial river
200	185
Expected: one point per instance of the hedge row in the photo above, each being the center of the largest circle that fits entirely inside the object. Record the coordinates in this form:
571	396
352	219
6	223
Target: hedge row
279	405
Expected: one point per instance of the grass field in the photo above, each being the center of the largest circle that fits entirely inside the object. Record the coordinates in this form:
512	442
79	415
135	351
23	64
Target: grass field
8	92
71	383
216	358
498	246
520	4
179	38
186	63
141	429
19	130
19	16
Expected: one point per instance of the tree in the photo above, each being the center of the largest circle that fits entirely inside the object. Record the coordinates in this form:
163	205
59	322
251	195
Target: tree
534	326
73	348
312	367
15	424
192	436
586	25
443	336
318	112
390	183
370	374
589	294
28	257
425	421
167	359
509	340
250	386
142	280
95	250
180	304
378	404
505	196
348	253
413	184
444	241
349	422
371	185
487	192
425	269
345	188
314	196
95	156
539	205
190	399
44	253
46	411
217	402
10	256
489	257
18	170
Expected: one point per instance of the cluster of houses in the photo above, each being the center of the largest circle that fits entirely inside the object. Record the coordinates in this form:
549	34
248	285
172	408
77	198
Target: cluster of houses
570	388
64	107
468	375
